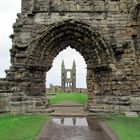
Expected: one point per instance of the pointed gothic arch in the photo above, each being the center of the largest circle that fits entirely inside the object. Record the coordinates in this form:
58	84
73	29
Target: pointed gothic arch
55	38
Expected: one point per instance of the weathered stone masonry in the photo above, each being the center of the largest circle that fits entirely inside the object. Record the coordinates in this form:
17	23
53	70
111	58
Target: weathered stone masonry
105	32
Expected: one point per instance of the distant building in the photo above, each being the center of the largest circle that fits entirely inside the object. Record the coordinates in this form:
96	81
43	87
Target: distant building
53	89
68	78
68	81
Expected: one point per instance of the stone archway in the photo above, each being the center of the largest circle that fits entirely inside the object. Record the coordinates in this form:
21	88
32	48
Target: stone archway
46	46
43	29
76	34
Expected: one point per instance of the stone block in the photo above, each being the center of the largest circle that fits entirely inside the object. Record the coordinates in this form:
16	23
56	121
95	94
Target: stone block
131	114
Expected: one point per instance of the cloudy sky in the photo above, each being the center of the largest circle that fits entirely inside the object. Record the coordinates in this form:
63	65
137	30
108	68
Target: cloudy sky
68	56
8	12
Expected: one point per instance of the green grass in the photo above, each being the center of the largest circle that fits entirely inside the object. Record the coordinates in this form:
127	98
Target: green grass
74	97
126	128
21	127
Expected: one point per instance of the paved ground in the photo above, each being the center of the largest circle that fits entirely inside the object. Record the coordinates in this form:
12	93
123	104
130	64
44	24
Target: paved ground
68	109
73	129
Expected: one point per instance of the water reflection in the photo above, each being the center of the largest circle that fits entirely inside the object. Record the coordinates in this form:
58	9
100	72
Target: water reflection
73	128
67	121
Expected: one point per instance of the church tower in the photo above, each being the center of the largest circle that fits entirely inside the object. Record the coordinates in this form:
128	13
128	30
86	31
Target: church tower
68	78
74	76
63	76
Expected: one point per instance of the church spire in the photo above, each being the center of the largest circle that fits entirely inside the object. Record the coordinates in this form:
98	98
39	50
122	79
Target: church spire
63	65
74	65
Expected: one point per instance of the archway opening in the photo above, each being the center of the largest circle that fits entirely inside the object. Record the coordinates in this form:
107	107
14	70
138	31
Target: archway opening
67	76
68	56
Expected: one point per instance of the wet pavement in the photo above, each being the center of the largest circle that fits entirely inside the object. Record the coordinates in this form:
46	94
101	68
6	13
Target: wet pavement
66	128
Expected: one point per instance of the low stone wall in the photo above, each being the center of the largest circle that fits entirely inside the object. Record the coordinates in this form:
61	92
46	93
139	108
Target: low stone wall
31	104
4	85
119	104
5	102
22	107
135	106
5	96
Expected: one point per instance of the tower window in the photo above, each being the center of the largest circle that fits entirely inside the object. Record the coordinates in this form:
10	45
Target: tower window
68	74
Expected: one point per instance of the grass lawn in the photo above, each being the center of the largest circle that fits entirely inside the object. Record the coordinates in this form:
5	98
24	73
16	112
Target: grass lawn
126	128
21	127
74	97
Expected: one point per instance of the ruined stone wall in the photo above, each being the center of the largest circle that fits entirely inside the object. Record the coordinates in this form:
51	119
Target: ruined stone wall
110	18
5	94
53	89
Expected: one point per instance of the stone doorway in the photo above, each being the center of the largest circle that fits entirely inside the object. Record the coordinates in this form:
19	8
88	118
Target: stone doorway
44	28
46	46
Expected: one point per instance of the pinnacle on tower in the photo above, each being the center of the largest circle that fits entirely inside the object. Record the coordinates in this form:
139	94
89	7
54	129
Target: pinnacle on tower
74	64
63	65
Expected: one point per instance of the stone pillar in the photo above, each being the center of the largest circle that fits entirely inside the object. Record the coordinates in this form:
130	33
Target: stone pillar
19	83
63	76
28	90
73	73
37	79
90	86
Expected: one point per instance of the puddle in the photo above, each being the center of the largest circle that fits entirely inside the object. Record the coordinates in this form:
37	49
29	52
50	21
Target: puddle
67	121
73	128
